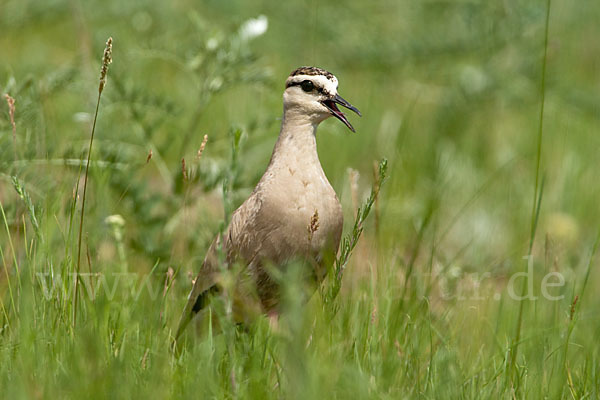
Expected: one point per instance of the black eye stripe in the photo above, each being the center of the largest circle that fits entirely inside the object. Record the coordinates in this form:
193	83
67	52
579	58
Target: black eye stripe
319	89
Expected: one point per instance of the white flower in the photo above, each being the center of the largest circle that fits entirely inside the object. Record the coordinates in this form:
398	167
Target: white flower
212	43
254	27
82	117
216	83
115	221
473	79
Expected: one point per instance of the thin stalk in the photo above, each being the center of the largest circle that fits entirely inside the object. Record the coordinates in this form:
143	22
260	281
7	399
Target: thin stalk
11	111
575	305
537	193
106	60
14	255
589	266
349	242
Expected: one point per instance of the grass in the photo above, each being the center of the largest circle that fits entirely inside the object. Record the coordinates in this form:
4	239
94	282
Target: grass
478	107
106	60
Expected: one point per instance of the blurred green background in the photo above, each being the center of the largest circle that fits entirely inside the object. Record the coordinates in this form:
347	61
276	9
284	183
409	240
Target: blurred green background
450	93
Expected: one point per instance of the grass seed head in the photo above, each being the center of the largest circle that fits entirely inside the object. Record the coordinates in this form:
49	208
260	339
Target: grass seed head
11	112
573	307
106	61
314	225
184	170
202	146
11	108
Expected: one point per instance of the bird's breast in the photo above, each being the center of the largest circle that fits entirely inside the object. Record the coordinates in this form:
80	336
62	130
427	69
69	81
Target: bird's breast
307	213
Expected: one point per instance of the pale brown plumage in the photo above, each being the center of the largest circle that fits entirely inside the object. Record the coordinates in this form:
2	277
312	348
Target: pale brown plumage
273	226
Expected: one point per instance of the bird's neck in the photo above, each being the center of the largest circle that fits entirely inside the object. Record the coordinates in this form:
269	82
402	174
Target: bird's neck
297	143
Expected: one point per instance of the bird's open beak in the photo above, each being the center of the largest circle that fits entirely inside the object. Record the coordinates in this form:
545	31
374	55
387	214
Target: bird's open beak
335	111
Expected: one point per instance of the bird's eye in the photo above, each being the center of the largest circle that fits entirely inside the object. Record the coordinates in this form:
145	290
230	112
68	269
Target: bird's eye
307	86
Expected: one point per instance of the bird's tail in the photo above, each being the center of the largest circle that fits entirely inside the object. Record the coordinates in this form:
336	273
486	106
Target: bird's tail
195	304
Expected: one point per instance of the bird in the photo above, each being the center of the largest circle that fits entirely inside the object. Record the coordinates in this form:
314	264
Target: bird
292	214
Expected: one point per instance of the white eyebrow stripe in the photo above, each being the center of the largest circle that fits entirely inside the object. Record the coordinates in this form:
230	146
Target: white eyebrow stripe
329	86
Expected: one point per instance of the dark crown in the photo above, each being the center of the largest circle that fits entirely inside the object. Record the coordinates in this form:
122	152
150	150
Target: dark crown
312	71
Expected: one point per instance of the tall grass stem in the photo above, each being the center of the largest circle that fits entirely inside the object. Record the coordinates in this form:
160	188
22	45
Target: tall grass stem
537	196
106	60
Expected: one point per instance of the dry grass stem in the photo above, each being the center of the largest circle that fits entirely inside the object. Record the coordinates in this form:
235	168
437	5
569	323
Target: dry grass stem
168	280
106	60
376	179
202	146
145	358
184	170
353	175
89	260
573	307
314	225
11	113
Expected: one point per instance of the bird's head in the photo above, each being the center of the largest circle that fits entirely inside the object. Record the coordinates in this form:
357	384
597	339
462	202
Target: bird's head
312	91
